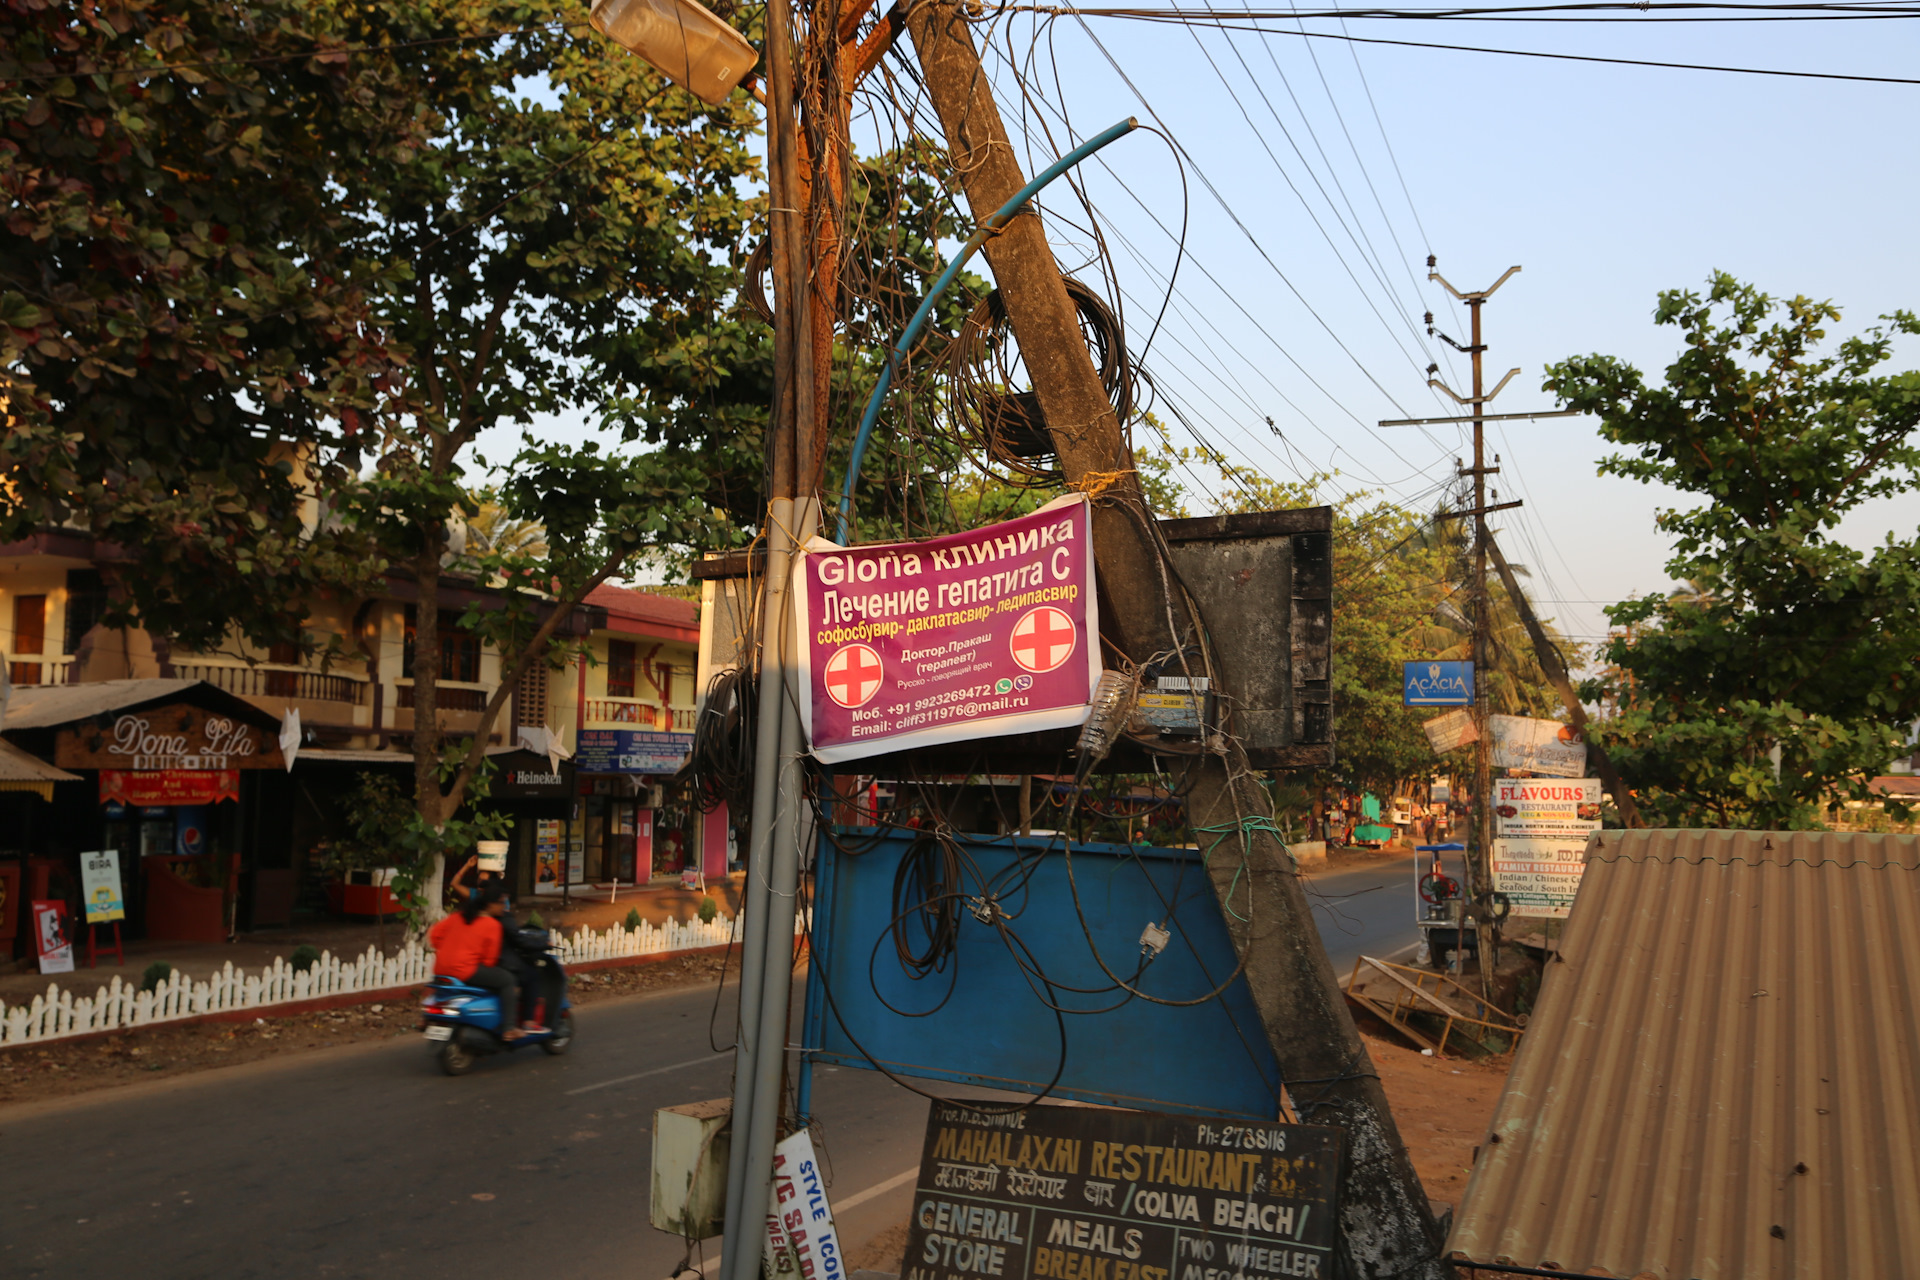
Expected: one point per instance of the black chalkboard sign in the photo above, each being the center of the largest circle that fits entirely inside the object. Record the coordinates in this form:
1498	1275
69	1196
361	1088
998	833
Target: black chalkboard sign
1079	1193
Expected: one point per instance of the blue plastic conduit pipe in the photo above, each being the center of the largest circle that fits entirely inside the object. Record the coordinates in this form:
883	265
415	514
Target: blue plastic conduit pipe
1006	214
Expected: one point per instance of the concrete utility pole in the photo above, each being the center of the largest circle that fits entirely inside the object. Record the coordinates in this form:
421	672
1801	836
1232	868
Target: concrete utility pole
1387	1226
1555	666
1480	857
780	818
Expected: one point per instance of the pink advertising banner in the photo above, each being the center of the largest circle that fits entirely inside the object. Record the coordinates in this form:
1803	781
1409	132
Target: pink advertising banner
974	635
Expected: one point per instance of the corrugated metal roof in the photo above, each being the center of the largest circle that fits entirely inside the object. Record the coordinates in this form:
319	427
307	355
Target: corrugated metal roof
40	706
36	706
17	765
1722	1080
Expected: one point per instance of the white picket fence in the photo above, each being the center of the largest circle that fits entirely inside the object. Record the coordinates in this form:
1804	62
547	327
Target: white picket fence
59	1014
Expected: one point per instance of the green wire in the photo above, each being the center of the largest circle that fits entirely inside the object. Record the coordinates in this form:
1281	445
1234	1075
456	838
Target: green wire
1245	826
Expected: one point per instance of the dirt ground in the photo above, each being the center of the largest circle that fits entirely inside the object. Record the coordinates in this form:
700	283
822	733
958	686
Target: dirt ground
32	1073
1442	1106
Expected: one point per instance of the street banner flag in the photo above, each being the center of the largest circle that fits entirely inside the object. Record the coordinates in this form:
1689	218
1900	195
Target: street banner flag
973	635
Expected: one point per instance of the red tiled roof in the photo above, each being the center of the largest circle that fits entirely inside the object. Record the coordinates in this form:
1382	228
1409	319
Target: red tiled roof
1896	784
647	614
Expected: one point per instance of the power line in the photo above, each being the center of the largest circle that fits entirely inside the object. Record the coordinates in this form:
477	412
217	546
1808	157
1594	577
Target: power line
1237	221
1083	14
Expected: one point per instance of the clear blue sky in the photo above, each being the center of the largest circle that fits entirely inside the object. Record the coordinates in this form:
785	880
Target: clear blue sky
1606	183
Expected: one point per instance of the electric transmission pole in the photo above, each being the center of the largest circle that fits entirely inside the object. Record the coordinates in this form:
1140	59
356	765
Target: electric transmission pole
1480	853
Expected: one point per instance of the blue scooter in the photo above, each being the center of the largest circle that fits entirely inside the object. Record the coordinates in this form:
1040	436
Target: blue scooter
464	1022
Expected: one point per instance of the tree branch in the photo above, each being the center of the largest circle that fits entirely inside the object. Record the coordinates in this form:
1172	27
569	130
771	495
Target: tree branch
510	674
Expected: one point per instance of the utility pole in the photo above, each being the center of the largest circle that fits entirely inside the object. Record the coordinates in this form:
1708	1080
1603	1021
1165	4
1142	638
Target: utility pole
1555	666
766	963
1388	1228
1480	852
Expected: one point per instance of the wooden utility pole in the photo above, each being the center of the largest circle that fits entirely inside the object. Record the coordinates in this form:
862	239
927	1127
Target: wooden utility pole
1387	1225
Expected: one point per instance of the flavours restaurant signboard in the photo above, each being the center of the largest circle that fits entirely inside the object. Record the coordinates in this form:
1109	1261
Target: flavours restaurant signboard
176	737
1072	1193
1540	841
978	634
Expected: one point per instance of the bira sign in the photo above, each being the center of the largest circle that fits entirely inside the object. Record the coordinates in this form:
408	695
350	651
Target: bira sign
178	736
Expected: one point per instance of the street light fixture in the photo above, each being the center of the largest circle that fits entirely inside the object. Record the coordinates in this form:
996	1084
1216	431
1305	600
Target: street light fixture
682	40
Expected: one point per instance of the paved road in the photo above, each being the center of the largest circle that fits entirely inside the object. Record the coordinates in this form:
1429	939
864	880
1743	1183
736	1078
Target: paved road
1367	910
365	1161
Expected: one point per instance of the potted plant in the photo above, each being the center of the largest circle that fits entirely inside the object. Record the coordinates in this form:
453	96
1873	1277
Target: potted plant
359	864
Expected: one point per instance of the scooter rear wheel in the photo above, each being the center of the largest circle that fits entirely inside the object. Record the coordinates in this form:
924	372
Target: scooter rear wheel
456	1059
562	1034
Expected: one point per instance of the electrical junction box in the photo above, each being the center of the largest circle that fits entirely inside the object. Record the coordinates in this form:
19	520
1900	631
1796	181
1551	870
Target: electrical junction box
690	1146
1173	706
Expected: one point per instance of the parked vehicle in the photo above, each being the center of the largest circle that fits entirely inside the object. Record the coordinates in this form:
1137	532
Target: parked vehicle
463	1022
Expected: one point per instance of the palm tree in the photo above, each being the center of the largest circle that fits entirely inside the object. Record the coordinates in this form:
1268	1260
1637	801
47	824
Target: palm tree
1515	682
492	531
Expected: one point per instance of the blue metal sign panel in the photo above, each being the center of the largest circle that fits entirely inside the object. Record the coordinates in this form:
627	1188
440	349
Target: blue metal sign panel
1438	684
631	751
1044	976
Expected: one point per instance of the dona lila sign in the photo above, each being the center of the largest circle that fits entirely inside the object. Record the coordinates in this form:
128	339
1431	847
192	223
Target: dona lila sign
978	634
1438	684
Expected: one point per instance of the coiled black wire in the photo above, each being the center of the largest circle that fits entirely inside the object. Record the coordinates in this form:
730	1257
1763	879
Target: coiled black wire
720	765
1006	424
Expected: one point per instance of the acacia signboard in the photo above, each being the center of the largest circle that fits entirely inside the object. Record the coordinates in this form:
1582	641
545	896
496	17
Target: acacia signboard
174	736
1070	1193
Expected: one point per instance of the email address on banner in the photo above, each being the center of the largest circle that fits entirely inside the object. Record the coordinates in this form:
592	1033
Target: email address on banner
938	715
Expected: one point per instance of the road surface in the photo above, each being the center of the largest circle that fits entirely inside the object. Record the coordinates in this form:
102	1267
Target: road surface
364	1161
1367	910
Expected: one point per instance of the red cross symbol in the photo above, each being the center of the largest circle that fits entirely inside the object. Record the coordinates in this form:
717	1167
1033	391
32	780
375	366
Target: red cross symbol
1043	639
853	675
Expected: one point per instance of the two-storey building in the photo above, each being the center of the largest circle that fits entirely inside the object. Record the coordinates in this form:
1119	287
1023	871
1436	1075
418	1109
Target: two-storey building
621	714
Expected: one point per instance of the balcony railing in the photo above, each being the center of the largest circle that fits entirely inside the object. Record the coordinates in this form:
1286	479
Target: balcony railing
449	698
40	668
276	682
647	714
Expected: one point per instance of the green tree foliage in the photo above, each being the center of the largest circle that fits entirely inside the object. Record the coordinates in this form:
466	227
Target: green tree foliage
570	227
183	330
1786	637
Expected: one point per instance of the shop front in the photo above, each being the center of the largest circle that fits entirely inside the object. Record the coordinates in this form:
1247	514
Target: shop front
173	778
638	824
538	795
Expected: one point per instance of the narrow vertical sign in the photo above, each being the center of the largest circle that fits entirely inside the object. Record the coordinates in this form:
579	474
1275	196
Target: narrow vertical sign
801	1239
1070	1193
977	634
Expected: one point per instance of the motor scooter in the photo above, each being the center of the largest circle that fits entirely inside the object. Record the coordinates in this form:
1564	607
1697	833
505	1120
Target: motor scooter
463	1022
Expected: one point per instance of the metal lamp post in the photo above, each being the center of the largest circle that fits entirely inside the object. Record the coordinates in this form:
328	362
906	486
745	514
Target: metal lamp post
696	50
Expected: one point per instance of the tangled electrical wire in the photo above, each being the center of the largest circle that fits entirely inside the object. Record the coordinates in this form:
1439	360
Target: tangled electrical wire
720	764
1007	425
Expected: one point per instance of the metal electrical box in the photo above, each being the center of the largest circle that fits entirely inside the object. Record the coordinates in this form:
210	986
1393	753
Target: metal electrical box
690	1144
1264	584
